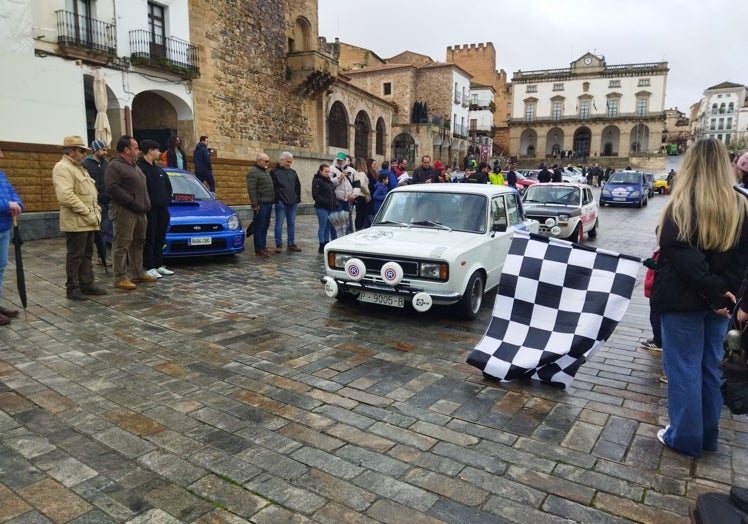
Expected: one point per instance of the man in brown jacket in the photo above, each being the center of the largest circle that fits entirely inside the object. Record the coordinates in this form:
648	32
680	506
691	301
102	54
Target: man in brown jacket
80	217
126	185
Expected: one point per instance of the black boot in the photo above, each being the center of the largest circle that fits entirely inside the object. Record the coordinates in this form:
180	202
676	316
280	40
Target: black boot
321	247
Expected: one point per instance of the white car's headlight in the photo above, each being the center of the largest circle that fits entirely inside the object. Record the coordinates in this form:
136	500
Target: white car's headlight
233	222
563	219
341	259
435	270
550	222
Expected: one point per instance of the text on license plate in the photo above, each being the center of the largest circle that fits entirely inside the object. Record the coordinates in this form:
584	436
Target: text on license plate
381	298
619	199
201	241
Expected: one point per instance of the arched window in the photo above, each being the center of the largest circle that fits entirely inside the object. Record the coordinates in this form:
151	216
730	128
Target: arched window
379	146
714	109
363	130
722	108
337	126
731	107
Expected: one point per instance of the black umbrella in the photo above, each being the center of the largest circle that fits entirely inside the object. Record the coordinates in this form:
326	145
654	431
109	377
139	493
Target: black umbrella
20	278
101	248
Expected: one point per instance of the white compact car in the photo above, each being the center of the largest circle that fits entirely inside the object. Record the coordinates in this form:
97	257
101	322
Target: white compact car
563	210
429	244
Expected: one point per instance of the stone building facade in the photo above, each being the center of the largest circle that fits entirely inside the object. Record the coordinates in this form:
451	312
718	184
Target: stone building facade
590	108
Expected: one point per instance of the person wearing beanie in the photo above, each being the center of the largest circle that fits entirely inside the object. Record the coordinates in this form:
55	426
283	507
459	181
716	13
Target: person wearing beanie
95	163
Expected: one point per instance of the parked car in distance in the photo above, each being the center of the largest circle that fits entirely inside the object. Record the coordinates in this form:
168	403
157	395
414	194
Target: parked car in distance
573	176
661	184
429	244
523	182
199	224
565	211
625	188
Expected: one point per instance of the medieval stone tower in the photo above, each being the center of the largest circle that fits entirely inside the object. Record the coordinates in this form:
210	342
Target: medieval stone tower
480	61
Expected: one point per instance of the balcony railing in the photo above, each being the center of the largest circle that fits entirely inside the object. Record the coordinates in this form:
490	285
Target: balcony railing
592	117
460	130
465	101
165	53
74	29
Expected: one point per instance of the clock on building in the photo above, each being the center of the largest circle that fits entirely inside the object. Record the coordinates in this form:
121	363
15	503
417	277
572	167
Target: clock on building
588	60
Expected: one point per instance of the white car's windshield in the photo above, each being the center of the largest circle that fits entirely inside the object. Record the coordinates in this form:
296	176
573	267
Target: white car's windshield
459	212
547	194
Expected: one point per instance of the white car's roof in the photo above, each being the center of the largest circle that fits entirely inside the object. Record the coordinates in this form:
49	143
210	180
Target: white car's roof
462	188
562	184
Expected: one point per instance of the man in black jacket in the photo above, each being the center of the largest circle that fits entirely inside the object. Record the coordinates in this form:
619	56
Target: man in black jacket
159	191
544	176
287	197
95	164
425	173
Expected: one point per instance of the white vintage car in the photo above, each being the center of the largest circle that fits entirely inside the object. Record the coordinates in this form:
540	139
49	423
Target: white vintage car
429	244
564	210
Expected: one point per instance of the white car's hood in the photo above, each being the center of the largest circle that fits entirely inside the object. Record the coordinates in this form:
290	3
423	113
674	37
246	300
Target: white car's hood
406	242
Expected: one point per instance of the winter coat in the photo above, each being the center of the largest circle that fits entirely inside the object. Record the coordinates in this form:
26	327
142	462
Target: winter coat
125	183
323	193
97	169
201	157
286	185
260	187
158	184
77	195
691	279
7	195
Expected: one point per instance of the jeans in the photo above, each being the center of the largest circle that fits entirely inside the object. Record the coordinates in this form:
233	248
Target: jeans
287	212
691	350
4	246
207	176
262	218
325	231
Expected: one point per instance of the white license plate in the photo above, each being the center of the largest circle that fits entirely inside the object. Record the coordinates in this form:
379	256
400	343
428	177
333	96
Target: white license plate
620	199
381	298
201	241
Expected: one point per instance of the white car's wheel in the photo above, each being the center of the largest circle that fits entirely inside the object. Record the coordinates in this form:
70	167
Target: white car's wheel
470	303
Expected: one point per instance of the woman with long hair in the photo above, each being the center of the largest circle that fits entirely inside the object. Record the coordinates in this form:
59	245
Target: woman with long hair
364	195
175	156
703	238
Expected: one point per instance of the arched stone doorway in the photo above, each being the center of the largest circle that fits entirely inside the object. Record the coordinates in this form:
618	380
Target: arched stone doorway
554	141
528	142
337	126
362	126
158	115
381	132
404	146
582	138
610	141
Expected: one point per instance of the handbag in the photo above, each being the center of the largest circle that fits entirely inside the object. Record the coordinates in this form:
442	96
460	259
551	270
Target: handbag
734	367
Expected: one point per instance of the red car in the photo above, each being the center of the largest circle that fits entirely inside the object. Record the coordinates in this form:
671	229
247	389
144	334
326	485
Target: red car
522	181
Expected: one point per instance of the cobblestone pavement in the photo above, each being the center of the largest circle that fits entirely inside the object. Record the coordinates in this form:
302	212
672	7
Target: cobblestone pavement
235	391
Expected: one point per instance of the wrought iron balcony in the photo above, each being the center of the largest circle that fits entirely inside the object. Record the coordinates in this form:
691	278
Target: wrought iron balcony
164	53
91	36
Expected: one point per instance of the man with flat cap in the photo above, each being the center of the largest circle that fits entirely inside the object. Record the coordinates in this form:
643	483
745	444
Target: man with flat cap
80	218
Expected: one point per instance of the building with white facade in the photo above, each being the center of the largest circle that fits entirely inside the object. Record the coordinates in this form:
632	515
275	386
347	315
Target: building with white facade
723	114
482	108
55	49
590	108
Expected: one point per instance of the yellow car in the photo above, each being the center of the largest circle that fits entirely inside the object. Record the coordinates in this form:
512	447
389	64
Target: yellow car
660	183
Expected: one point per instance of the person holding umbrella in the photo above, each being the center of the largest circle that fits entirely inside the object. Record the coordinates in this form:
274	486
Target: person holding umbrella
80	218
10	207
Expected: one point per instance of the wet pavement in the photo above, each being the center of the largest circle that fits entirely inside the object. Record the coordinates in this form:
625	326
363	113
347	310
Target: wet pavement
236	391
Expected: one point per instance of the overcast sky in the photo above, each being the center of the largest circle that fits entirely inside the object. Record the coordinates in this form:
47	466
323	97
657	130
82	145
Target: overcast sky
704	42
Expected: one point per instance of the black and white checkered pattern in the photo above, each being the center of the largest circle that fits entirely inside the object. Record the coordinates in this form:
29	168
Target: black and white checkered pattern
556	305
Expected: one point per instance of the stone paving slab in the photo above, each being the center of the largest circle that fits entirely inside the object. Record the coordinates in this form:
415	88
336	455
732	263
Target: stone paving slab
235	391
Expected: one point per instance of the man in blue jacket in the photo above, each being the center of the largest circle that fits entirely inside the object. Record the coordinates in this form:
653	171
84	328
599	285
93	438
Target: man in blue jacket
203	164
10	206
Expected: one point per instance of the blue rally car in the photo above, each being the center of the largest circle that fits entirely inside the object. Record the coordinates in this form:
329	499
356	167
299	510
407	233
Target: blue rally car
199	224
625	188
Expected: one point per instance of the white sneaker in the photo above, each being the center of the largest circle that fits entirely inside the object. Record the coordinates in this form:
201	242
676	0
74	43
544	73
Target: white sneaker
661	435
163	271
154	273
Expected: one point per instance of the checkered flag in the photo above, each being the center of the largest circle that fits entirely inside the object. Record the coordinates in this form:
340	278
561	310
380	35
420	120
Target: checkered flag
556	305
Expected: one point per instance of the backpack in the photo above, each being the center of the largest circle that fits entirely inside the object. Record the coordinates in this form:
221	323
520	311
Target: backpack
164	161
649	276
